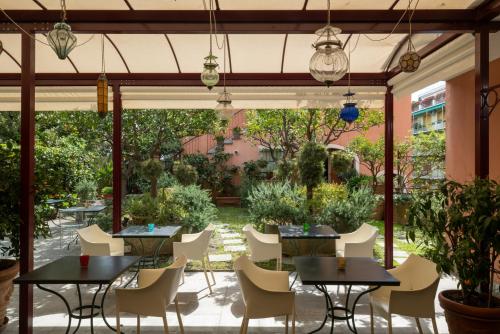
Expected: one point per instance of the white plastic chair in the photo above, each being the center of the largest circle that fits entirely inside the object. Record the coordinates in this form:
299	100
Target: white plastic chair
157	288
96	242
263	247
195	247
359	243
413	298
265	293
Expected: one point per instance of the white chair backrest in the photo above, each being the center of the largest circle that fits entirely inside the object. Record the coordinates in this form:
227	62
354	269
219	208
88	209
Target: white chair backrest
422	272
93	233
248	277
168	282
252	236
365	232
94	241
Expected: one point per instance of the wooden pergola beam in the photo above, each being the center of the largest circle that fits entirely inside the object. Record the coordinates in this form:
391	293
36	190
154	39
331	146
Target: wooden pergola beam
245	21
191	79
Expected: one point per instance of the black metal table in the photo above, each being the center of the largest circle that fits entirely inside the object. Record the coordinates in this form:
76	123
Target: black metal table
102	270
141	232
359	271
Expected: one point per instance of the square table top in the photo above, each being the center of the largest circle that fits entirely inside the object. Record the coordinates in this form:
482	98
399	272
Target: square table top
315	232
67	270
90	209
323	270
142	232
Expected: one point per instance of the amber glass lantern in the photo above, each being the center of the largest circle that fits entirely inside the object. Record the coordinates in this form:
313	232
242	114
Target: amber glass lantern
102	95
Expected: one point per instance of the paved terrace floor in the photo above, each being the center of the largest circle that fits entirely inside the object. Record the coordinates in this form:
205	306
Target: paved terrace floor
220	312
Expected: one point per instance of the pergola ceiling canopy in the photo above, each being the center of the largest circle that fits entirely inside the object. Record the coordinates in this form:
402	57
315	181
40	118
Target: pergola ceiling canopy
184	53
234	4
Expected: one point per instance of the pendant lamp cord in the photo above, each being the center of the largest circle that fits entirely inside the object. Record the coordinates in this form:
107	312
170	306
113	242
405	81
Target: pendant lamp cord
210	10
103	63
224	66
63	10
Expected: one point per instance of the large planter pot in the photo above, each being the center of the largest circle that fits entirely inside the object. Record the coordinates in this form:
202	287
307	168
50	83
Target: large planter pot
301	247
8	271
465	319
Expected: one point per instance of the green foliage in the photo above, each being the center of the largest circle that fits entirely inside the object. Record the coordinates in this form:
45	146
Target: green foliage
371	155
167	180
253	175
203	167
104	175
459	226
342	163
107	190
358	182
189	206
185	173
325	194
86	189
277	203
10	193
287	170
311	165
346	215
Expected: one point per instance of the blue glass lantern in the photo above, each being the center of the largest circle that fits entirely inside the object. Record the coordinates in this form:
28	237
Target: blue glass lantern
350	112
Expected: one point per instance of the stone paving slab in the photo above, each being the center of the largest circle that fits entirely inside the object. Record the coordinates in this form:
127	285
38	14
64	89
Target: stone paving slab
232	242
224	230
229	235
220	258
234	248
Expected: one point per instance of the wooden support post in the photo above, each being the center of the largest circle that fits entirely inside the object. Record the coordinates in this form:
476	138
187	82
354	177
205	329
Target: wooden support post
481	119
27	213
117	158
389	179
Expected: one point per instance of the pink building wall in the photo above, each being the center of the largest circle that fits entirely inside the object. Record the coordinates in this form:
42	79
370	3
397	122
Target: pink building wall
460	127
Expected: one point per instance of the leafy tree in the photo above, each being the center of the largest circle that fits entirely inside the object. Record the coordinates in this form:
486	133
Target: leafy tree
286	130
371	155
311	166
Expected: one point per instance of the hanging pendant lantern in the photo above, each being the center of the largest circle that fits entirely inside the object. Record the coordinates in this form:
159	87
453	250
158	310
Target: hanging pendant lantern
102	95
224	106
410	60
329	63
350	112
1	47
61	39
210	76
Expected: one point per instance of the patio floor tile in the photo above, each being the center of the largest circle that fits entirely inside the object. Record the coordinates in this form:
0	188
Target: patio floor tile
235	248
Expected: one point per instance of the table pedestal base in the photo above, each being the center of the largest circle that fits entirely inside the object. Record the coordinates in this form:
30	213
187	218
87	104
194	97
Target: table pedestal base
349	312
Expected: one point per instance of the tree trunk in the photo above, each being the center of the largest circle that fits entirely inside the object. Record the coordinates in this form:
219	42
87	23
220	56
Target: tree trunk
309	194
154	187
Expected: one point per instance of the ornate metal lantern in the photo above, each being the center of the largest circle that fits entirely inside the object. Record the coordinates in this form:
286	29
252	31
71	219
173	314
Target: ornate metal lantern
210	76
102	95
350	112
61	39
410	60
329	63
224	106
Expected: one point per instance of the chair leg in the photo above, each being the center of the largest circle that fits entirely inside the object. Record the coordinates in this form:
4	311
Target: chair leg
389	324
183	277
246	325
165	324
181	326
434	325
293	321
206	276
372	330
418	326
286	324
118	326
210	269
242	327
138	324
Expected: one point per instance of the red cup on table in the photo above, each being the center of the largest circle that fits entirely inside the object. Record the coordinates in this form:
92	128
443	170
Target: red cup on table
84	261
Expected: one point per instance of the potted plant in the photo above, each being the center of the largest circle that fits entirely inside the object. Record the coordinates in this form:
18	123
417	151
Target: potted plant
107	192
460	227
219	139
236	132
86	190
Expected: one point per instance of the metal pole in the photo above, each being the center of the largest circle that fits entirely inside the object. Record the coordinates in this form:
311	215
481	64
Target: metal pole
389	179
117	158
481	119
27	167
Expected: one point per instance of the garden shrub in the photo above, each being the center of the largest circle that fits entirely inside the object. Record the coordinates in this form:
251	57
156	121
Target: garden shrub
200	211
86	189
185	173
348	214
326	193
167	180
356	182
277	203
311	166
252	176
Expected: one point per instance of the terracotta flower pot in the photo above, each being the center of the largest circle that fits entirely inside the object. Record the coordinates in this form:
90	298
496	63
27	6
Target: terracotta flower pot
465	319
8	271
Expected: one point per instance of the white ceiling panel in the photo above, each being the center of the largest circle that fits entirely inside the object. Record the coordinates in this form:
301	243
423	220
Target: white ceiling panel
18	4
256	53
438	4
87	57
350	4
169	4
145	53
191	49
12	44
261	4
86	4
371	56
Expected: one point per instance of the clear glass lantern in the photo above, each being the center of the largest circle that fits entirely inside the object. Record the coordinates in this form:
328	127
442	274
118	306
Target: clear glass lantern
61	39
329	63
102	95
210	76
224	106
